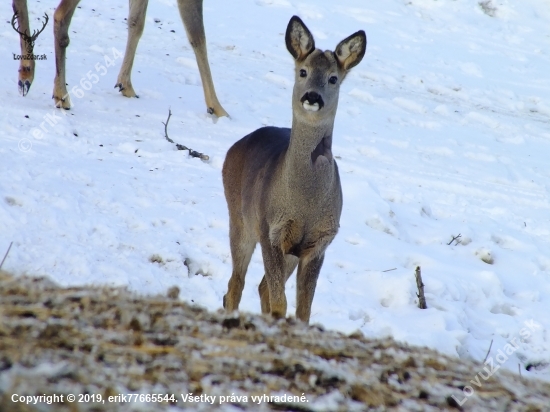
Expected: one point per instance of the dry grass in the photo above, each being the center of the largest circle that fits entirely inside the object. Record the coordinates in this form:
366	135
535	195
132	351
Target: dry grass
108	341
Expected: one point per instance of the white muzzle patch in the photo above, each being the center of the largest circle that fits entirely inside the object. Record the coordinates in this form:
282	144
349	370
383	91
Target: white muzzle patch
311	107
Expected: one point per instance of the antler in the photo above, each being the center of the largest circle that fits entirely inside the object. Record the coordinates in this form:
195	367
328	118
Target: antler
37	32
24	34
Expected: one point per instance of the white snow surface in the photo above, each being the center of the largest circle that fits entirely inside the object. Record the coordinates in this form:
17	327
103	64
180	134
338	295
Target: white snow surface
443	129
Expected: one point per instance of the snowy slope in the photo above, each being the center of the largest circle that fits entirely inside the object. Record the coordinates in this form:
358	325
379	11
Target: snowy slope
443	129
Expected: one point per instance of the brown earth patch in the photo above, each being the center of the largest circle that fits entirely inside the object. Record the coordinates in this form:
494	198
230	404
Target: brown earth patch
108	341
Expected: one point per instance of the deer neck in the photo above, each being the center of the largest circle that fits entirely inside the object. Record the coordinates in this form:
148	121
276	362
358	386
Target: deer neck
309	161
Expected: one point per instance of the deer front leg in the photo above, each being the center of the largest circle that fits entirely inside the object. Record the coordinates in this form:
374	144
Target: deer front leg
274	263
136	23
62	19
26	67
191	14
290	264
306	282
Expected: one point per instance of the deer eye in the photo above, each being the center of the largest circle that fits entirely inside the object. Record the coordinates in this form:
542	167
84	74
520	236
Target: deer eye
333	79
303	73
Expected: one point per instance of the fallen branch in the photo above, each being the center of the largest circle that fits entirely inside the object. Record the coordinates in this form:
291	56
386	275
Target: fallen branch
457	238
489	351
192	153
420	286
6	255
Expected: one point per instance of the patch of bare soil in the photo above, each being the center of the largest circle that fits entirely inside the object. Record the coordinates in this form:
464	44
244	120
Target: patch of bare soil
97	343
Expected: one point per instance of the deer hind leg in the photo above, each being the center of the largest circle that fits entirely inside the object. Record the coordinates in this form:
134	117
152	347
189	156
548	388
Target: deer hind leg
191	14
26	67
306	282
62	19
136	23
290	264
242	247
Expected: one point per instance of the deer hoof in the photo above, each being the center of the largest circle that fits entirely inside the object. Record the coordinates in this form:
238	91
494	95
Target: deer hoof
24	87
217	111
61	103
126	90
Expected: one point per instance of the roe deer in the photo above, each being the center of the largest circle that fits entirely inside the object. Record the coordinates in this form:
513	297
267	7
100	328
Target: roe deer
191	14
282	185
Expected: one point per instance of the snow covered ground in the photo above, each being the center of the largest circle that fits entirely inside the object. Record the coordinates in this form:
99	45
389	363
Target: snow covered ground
442	130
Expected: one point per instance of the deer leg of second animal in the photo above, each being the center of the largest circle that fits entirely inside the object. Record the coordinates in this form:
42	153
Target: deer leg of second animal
290	264
191	14
306	281
136	23
26	67
62	19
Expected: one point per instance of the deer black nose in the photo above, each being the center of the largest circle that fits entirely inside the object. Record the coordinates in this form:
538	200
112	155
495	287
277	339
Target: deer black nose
313	98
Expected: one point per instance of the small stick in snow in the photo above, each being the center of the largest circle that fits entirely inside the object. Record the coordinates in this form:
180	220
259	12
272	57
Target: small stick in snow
6	255
420	286
389	270
519	369
457	238
489	351
192	153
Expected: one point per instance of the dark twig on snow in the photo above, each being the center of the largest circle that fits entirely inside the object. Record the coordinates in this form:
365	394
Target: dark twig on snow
389	270
192	153
420	286
519	369
457	238
488	351
6	255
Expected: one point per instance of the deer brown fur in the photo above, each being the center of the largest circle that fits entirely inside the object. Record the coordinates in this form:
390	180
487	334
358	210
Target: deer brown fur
191	14
282	185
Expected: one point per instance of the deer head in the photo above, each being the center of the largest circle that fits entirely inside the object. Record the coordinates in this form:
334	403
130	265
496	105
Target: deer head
29	39
318	74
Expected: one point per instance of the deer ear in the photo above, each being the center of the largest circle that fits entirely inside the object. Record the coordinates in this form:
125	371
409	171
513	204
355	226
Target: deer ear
299	40
351	50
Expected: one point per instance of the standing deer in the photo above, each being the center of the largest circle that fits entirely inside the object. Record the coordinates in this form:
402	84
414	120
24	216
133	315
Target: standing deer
191	14
282	185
